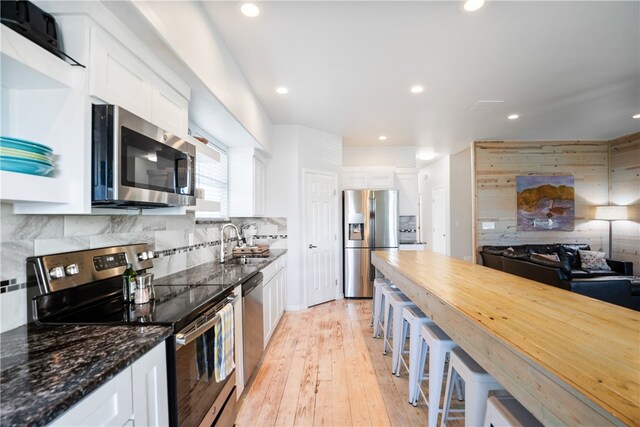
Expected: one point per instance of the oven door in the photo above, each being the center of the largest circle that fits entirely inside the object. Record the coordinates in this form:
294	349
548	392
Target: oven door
198	395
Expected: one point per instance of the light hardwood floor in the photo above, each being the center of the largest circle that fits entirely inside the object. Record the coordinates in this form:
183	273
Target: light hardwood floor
323	368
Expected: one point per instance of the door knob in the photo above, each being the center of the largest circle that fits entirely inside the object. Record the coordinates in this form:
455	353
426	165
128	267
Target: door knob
312	246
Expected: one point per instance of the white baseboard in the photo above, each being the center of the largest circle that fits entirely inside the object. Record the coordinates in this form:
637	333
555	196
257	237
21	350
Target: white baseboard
295	308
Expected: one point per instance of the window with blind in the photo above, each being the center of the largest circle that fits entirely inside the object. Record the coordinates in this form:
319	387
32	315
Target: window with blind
212	177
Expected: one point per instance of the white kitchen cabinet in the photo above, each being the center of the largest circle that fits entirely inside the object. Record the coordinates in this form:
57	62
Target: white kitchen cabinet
36	83
267	308
42	99
407	185
150	393
118	76
361	178
110	405
139	394
274	295
246	182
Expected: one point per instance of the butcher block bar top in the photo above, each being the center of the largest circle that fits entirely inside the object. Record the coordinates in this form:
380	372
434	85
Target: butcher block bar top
567	358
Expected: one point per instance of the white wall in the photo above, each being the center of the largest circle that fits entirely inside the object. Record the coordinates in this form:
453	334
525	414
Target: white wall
430	177
461	199
296	148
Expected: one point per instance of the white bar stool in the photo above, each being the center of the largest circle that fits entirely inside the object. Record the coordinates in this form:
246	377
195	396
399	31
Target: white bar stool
385	291
397	301
508	412
477	385
412	320
377	303
437	345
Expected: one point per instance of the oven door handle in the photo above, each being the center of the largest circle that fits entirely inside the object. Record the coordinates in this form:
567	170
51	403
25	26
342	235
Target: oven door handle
183	339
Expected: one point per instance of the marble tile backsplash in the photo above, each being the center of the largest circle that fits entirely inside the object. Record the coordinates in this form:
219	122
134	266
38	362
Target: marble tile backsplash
179	240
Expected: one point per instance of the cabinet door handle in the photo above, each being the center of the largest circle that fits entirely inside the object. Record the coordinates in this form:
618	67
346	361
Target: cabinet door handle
312	246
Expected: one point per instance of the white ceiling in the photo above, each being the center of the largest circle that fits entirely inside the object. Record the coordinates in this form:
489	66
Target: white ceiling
570	69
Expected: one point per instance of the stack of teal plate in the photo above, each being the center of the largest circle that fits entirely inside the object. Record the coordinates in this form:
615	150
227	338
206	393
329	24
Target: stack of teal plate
18	155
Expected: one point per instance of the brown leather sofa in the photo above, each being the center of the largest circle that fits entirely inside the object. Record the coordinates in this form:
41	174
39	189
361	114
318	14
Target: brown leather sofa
605	285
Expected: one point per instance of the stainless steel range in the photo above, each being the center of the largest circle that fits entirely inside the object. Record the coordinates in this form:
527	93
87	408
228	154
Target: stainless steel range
85	287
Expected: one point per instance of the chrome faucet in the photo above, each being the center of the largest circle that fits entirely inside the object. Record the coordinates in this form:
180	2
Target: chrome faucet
222	251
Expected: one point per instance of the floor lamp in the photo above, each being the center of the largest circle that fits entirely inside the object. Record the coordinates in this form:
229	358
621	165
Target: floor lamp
611	213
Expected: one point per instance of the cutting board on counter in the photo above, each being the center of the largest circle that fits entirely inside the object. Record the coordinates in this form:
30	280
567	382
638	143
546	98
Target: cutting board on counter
250	250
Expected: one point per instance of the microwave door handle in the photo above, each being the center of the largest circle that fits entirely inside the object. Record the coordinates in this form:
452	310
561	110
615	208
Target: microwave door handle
183	182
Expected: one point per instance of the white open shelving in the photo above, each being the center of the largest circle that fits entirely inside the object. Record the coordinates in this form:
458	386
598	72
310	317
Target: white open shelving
41	101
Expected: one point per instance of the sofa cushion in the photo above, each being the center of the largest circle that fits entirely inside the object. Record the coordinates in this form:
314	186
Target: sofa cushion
579	274
593	260
569	255
549	260
493	250
515	254
601	273
542	249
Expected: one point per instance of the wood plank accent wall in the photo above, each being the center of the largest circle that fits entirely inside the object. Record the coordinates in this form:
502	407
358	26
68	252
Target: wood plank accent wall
625	190
497	163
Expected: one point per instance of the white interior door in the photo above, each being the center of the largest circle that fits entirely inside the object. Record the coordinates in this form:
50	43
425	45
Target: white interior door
321	233
439	220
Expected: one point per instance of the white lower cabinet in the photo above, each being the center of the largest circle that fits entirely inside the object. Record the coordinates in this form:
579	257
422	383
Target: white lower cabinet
150	394
267	306
137	396
273	294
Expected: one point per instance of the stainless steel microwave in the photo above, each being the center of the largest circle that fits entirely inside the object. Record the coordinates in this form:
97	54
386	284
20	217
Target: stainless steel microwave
135	164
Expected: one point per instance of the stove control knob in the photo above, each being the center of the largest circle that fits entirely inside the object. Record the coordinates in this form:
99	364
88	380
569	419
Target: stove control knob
72	269
56	272
142	256
150	254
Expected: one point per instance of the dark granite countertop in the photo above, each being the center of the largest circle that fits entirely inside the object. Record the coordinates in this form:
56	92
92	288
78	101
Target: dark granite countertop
44	370
231	273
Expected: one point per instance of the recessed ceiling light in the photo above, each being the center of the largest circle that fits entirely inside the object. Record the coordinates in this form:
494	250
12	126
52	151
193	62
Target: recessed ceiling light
512	116
425	156
282	90
473	5
382	138
250	9
636	116
417	89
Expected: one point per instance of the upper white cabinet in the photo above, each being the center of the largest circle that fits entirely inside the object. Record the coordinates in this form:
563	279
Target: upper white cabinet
118	76
405	180
360	178
246	182
407	185
46	100
43	99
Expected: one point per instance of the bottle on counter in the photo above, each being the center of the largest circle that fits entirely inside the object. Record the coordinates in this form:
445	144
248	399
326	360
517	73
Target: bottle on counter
129	284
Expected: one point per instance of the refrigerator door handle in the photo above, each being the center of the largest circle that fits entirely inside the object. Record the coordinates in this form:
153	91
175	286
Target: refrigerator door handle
372	222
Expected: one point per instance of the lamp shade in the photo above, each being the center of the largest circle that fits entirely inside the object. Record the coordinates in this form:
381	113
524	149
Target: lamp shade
611	213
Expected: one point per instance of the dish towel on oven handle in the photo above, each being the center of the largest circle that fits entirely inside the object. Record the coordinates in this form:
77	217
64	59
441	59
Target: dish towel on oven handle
223	357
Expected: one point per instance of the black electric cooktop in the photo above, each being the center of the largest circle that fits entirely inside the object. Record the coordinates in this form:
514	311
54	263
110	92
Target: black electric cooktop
175	305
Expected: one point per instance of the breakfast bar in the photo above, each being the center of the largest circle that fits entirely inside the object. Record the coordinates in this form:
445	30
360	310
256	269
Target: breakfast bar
569	359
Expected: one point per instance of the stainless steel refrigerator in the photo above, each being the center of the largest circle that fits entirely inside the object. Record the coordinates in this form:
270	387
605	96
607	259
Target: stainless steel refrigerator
370	221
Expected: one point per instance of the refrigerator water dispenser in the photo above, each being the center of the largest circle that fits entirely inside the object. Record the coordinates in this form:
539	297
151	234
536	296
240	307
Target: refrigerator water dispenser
355	231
